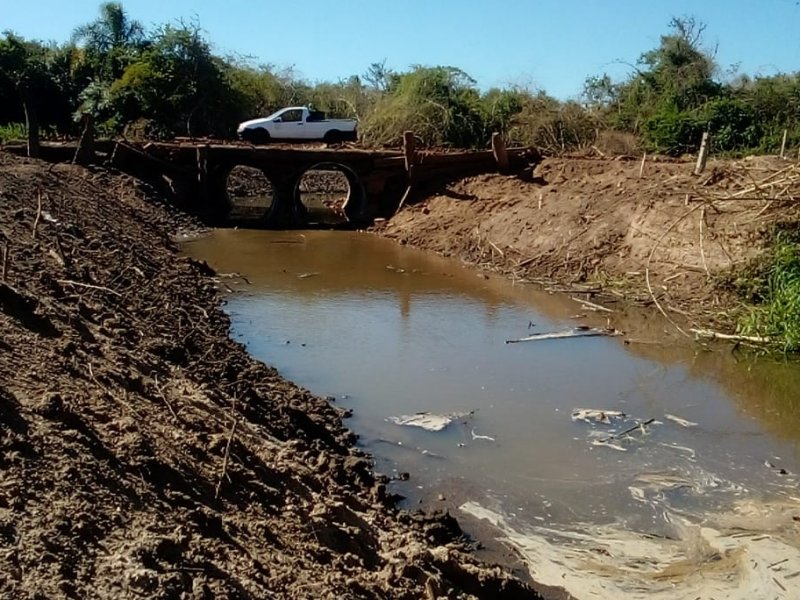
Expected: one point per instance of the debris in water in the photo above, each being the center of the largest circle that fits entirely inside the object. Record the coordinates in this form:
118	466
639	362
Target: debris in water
640	426
475	436
429	421
612	441
568	333
306	275
680	421
608	443
691	453
596	415
778	470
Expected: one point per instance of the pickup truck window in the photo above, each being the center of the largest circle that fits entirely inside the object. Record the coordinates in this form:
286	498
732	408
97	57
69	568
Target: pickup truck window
292	116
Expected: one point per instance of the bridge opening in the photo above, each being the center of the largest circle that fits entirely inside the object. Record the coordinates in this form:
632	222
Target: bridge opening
324	194
250	195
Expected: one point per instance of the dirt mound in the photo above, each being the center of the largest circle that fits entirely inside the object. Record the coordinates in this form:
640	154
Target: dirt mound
145	454
651	233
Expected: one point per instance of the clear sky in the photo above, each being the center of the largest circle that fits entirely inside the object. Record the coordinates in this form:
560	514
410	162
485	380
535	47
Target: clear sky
549	44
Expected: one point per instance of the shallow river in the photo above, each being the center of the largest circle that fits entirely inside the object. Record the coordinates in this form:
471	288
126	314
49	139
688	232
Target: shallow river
701	502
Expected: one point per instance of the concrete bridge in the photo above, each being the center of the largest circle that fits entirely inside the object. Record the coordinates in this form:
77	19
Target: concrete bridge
195	172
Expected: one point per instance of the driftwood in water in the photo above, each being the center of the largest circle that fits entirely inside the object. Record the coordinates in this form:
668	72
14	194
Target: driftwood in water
567	333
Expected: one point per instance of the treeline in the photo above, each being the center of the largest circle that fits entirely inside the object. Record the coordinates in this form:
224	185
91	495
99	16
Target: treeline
168	82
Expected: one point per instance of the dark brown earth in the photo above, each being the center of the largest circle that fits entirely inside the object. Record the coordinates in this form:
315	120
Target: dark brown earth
615	230
144	454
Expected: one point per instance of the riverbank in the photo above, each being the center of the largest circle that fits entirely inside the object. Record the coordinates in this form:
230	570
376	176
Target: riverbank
616	232
144	454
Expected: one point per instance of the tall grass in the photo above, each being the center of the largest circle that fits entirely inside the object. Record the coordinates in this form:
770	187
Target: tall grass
777	314
12	131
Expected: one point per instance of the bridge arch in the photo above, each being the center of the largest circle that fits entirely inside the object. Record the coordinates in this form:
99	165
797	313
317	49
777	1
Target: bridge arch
354	203
249	196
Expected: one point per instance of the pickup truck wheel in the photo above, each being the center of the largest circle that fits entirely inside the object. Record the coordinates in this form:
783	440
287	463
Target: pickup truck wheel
258	136
334	136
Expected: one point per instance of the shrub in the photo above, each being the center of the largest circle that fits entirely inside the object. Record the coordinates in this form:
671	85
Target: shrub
777	291
673	132
12	131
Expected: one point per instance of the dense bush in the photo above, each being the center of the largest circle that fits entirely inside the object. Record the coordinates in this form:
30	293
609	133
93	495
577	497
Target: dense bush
673	132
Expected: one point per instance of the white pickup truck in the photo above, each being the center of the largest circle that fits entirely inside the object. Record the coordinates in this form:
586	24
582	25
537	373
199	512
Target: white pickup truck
297	123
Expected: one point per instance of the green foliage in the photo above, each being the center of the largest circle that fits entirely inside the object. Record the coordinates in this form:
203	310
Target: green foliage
679	70
776	290
111	41
439	104
500	108
733	124
12	131
348	98
673	132
259	91
43	74
176	84
662	99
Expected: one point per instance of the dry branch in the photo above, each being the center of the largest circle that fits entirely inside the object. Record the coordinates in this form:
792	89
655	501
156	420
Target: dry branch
38	213
88	286
4	269
225	459
714	335
650	259
702	251
591	305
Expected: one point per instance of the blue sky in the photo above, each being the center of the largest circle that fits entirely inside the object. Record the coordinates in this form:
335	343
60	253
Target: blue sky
549	44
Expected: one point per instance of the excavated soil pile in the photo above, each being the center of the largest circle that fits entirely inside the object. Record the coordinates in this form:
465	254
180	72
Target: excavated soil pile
650	233
144	454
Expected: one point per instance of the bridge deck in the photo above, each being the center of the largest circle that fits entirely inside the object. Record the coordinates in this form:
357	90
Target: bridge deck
378	178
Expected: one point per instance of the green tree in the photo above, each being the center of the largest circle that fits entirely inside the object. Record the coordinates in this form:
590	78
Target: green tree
178	86
34	83
679	70
111	41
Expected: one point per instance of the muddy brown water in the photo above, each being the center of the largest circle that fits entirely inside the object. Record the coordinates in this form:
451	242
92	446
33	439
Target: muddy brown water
388	331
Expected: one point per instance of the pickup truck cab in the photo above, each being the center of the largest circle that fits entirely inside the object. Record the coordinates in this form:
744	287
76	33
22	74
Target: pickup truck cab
297	123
